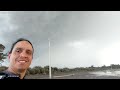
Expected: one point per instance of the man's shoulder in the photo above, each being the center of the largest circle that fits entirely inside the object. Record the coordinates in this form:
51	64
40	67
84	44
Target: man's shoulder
7	75
3	75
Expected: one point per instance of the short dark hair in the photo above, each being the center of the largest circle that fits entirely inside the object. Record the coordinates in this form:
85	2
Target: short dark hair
18	40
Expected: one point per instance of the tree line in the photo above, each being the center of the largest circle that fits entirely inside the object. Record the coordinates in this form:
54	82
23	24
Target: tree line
45	70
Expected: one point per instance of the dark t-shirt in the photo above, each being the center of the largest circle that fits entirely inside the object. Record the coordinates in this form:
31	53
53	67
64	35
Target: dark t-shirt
8	75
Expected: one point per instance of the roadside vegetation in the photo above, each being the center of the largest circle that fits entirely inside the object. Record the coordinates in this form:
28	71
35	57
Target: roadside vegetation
55	70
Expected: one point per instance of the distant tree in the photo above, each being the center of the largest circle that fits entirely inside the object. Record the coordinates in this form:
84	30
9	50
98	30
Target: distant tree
3	68
46	69
92	66
2	55
54	70
65	69
38	70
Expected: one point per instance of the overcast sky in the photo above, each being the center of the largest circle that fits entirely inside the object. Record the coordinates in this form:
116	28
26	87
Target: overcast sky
78	38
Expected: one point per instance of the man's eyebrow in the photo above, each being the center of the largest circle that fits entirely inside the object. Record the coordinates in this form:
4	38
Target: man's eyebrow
18	48
23	48
29	50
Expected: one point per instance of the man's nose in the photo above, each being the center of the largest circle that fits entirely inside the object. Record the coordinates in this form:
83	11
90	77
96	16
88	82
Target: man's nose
23	54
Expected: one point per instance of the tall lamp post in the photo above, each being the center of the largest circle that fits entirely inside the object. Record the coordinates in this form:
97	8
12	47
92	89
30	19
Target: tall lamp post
49	61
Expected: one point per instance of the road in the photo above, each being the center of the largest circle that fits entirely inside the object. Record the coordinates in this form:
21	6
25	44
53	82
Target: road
77	75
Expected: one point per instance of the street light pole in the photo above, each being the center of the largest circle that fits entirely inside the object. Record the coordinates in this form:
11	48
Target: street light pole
49	61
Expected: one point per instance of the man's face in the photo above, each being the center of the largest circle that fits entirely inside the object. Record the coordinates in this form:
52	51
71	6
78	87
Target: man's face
21	56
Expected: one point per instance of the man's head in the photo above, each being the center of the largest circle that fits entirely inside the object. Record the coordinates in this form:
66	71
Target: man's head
21	54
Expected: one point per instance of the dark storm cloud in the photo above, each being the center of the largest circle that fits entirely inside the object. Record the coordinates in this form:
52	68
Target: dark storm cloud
94	29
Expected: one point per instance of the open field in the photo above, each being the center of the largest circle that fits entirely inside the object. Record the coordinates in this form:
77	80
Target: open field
79	75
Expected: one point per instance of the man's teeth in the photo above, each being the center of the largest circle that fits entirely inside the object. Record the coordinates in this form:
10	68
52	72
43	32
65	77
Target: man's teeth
22	61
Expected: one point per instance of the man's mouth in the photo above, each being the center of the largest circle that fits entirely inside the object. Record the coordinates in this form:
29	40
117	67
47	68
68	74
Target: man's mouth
22	61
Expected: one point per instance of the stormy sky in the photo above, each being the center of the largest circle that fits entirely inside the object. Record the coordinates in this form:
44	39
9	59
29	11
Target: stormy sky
78	38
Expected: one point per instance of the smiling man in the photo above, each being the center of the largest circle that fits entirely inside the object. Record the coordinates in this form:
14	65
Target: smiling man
20	57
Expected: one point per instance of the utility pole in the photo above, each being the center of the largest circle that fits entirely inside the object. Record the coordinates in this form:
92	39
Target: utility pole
49	61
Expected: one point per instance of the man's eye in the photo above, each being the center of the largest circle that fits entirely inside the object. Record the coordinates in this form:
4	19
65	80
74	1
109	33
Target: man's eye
29	53
17	50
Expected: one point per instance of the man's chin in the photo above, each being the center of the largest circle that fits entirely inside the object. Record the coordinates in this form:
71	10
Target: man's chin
21	69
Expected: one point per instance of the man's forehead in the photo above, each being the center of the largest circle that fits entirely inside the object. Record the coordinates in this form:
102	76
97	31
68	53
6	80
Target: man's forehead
24	45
